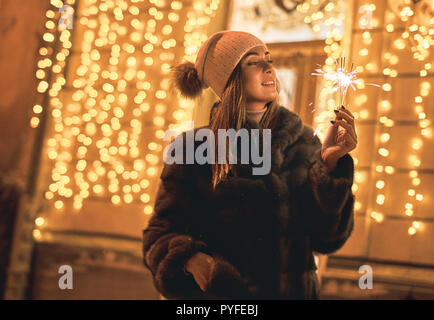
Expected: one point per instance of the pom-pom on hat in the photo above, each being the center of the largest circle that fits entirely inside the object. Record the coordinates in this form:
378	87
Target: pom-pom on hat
217	58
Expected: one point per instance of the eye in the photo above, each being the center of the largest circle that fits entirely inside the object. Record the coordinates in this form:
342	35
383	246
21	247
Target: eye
252	63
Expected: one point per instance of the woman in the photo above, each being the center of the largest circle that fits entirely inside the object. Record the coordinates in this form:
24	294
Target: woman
218	231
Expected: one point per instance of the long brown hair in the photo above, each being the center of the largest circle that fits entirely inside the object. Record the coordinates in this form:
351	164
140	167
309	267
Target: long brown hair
232	114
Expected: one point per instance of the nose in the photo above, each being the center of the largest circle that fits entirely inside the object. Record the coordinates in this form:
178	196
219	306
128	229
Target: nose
267	67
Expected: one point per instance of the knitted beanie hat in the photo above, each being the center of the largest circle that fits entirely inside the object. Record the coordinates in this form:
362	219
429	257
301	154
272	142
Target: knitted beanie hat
217	58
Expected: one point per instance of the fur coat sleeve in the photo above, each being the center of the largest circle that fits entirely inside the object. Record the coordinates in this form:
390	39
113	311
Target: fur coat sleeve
168	241
324	200
167	245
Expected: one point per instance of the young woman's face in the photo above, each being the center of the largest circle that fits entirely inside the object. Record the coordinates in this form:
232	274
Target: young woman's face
257	70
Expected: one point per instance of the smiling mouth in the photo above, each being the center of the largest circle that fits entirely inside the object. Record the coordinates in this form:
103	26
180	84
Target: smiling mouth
268	84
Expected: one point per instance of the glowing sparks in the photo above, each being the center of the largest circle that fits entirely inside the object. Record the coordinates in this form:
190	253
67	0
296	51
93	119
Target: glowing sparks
342	78
311	105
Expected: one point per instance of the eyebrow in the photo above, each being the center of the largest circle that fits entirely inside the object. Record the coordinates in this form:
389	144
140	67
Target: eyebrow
254	53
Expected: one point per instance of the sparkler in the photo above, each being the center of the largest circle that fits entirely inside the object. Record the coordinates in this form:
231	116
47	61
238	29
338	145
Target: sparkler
342	78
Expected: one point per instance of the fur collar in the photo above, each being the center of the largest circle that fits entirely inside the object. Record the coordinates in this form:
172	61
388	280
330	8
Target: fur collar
287	128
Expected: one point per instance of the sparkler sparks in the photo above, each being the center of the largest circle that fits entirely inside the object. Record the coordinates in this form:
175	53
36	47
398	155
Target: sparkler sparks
313	109
342	78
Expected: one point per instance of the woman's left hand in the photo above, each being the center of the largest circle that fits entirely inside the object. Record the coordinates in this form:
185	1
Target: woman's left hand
338	143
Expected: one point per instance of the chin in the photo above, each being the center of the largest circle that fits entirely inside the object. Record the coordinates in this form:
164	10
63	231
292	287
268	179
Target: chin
272	97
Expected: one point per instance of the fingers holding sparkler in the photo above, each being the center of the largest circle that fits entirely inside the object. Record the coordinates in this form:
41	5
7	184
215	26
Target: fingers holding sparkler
341	114
346	137
344	114
346	111
349	128
337	142
346	140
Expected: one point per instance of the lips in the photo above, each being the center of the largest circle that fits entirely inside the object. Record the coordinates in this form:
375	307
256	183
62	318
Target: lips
269	82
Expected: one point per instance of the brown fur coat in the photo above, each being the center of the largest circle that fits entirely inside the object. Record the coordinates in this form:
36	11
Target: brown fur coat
261	230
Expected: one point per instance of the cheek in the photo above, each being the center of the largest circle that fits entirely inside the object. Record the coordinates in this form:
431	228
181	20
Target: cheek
253	90
253	82
253	86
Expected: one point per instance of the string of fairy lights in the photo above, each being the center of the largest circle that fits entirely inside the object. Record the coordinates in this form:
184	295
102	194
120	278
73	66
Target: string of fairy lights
383	125
365	22
95	138
334	50
419	37
331	17
420	48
